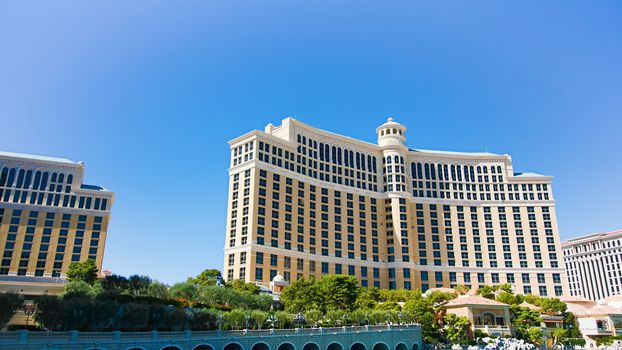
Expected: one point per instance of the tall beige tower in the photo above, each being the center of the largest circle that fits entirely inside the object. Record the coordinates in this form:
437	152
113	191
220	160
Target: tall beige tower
306	202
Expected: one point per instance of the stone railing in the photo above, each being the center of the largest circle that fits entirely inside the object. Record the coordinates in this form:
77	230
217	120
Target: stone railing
408	335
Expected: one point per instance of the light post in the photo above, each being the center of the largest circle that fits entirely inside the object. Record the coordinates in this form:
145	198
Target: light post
247	317
271	320
399	317
219	323
29	310
387	316
299	318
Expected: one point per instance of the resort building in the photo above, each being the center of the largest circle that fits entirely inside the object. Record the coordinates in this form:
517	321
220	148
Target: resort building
486	315
48	219
596	319
593	265
306	202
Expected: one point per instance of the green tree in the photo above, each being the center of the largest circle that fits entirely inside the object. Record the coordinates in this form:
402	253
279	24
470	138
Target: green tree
101	314
523	319
313	316
9	303
209	277
243	286
552	306
138	285
339	292
258	318
487	292
359	316
185	292
333	318
423	312
303	295
389	305
49	312
157	290
134	317
367	298
534	335
83	271
509	298
461	289
559	335
115	282
457	329
284	319
81	289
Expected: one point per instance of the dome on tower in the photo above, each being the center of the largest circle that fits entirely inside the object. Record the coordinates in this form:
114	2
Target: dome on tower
391	133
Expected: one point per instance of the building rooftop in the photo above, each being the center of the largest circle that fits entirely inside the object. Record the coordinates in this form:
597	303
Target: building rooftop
463	300
92	187
529	175
36	157
591	236
456	153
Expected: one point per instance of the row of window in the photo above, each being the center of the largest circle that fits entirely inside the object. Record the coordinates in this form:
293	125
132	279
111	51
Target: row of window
35	253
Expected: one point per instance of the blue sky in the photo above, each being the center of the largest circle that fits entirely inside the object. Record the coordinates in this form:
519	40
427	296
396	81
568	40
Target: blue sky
147	93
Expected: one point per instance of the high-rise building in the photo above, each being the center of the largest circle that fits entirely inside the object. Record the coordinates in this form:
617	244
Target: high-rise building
306	202
48	219
593	265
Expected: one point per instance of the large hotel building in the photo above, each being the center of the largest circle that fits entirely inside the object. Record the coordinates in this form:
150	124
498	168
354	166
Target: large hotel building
306	202
593	264
48	219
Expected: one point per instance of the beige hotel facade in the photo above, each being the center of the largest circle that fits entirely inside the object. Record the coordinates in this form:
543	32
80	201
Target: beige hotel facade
306	202
48	219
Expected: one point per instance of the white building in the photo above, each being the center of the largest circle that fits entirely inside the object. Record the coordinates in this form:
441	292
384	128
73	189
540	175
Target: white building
593	265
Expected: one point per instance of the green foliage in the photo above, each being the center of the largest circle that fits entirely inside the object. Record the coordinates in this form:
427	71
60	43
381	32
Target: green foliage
83	271
258	318
138	285
524	319
115	282
359	316
534	335
560	335
313	316
552	306
9	303
185	292
367	298
461	289
227	298
576	341
339	292
242	286
81	289
423	312
607	340
333	318
303	295
284	319
209	277
389	305
394	295
489	291
457	329
509	298
331	292
235	319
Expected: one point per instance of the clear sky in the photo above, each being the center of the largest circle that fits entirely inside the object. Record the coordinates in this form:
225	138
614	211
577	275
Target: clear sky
148	93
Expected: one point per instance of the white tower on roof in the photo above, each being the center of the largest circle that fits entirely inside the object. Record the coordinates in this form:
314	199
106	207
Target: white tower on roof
391	134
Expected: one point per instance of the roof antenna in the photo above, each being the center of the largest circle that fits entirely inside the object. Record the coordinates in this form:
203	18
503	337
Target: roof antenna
486	148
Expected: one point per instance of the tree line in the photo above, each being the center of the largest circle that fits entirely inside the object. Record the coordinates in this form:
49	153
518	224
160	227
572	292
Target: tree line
206	302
